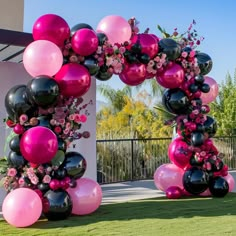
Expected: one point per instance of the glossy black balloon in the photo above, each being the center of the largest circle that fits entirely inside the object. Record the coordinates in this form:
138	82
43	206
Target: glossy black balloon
44	120
136	48
16	160
102	38
194	162
144	58
176	101
44	187
103	74
80	26
210	126
199	79
187	49
218	187
204	62
60	173
205	88
195	180
75	164
57	205
170	47
197	138
62	144
43	91
14	144
17	103
193	88
92	65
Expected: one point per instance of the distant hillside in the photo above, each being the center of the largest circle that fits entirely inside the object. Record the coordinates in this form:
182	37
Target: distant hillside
100	105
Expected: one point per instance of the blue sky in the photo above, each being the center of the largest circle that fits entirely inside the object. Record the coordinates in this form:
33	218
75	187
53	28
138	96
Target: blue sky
215	22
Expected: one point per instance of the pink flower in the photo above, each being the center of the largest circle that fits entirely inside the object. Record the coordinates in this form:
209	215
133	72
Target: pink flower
41	169
203	153
192	53
71	117
122	50
109	61
53	122
83	118
77	118
12	172
184	54
34	179
57	129
21	181
23	119
62	121
30	171
46	179
66	131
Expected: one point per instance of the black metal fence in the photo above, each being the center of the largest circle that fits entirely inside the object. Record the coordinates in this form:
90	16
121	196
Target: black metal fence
135	159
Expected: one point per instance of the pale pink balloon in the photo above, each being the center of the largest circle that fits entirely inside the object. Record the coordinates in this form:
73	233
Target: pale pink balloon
42	57
116	28
173	192
22	207
213	93
86	196
230	180
171	77
168	175
206	193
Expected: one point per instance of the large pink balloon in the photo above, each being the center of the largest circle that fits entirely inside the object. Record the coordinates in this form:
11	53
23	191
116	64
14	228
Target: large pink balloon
51	27
133	74
116	28
213	93
42	57
86	196
178	152
84	42
230	180
73	79
168	175
39	145
171	77
22	207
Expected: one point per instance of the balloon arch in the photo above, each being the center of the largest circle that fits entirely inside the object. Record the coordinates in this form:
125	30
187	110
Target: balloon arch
47	114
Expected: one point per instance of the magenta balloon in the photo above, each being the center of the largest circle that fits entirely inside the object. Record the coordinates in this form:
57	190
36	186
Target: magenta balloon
51	27
173	192
230	180
39	145
178	152
42	57
213	93
116	28
133	74
22	207
86	196
73	79
155	37
171	77
84	42
168	175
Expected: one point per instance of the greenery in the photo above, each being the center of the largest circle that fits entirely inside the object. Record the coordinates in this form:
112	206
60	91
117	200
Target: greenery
159	216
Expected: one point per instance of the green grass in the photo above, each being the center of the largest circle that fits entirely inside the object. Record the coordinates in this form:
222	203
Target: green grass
151	217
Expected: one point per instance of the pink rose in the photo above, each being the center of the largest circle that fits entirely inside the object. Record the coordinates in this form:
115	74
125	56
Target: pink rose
21	181
34	179
46	179
11	172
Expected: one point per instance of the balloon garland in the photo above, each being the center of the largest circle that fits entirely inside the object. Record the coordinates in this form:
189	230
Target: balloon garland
47	113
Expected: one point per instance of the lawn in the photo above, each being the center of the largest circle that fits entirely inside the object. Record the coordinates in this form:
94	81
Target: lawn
150	217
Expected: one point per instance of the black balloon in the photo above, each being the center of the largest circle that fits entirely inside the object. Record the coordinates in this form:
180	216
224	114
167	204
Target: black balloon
210	126
102	38
16	160
197	138
75	164
59	173
193	88
78	27
204	62
136	48
144	58
218	187
44	187
176	101
43	91
205	88
194	162
199	79
14	144
44	120
170	47
195	180
92	65
103	74
62	144
57	205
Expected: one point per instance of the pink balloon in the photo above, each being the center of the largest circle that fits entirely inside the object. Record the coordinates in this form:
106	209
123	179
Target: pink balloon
178	152
42	57
38	145
73	79
51	27
168	175
230	180
171	77
86	196
116	28
206	193
22	207
213	93
84	42
173	192
133	74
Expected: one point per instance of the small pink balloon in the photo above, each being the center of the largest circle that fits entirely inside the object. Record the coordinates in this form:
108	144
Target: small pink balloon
54	184
42	57
230	180
84	42
206	193
18	129
51	27
168	175
22	207
171	77
86	196
116	28
39	145
213	93
173	192
133	74
73	79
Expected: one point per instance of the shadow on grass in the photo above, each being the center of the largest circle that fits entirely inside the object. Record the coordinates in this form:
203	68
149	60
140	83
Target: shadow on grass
157	208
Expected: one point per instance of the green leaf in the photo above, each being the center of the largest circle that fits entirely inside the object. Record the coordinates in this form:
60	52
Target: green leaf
58	159
159	27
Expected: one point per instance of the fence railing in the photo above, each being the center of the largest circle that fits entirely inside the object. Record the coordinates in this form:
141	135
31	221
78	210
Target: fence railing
136	159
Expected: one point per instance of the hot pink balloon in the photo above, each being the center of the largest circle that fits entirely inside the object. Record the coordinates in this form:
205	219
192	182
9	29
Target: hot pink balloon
171	77
178	152
116	28
51	27
39	145
230	180
173	192
42	57
22	207
213	93
73	79
86	196
168	175
84	42
133	74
